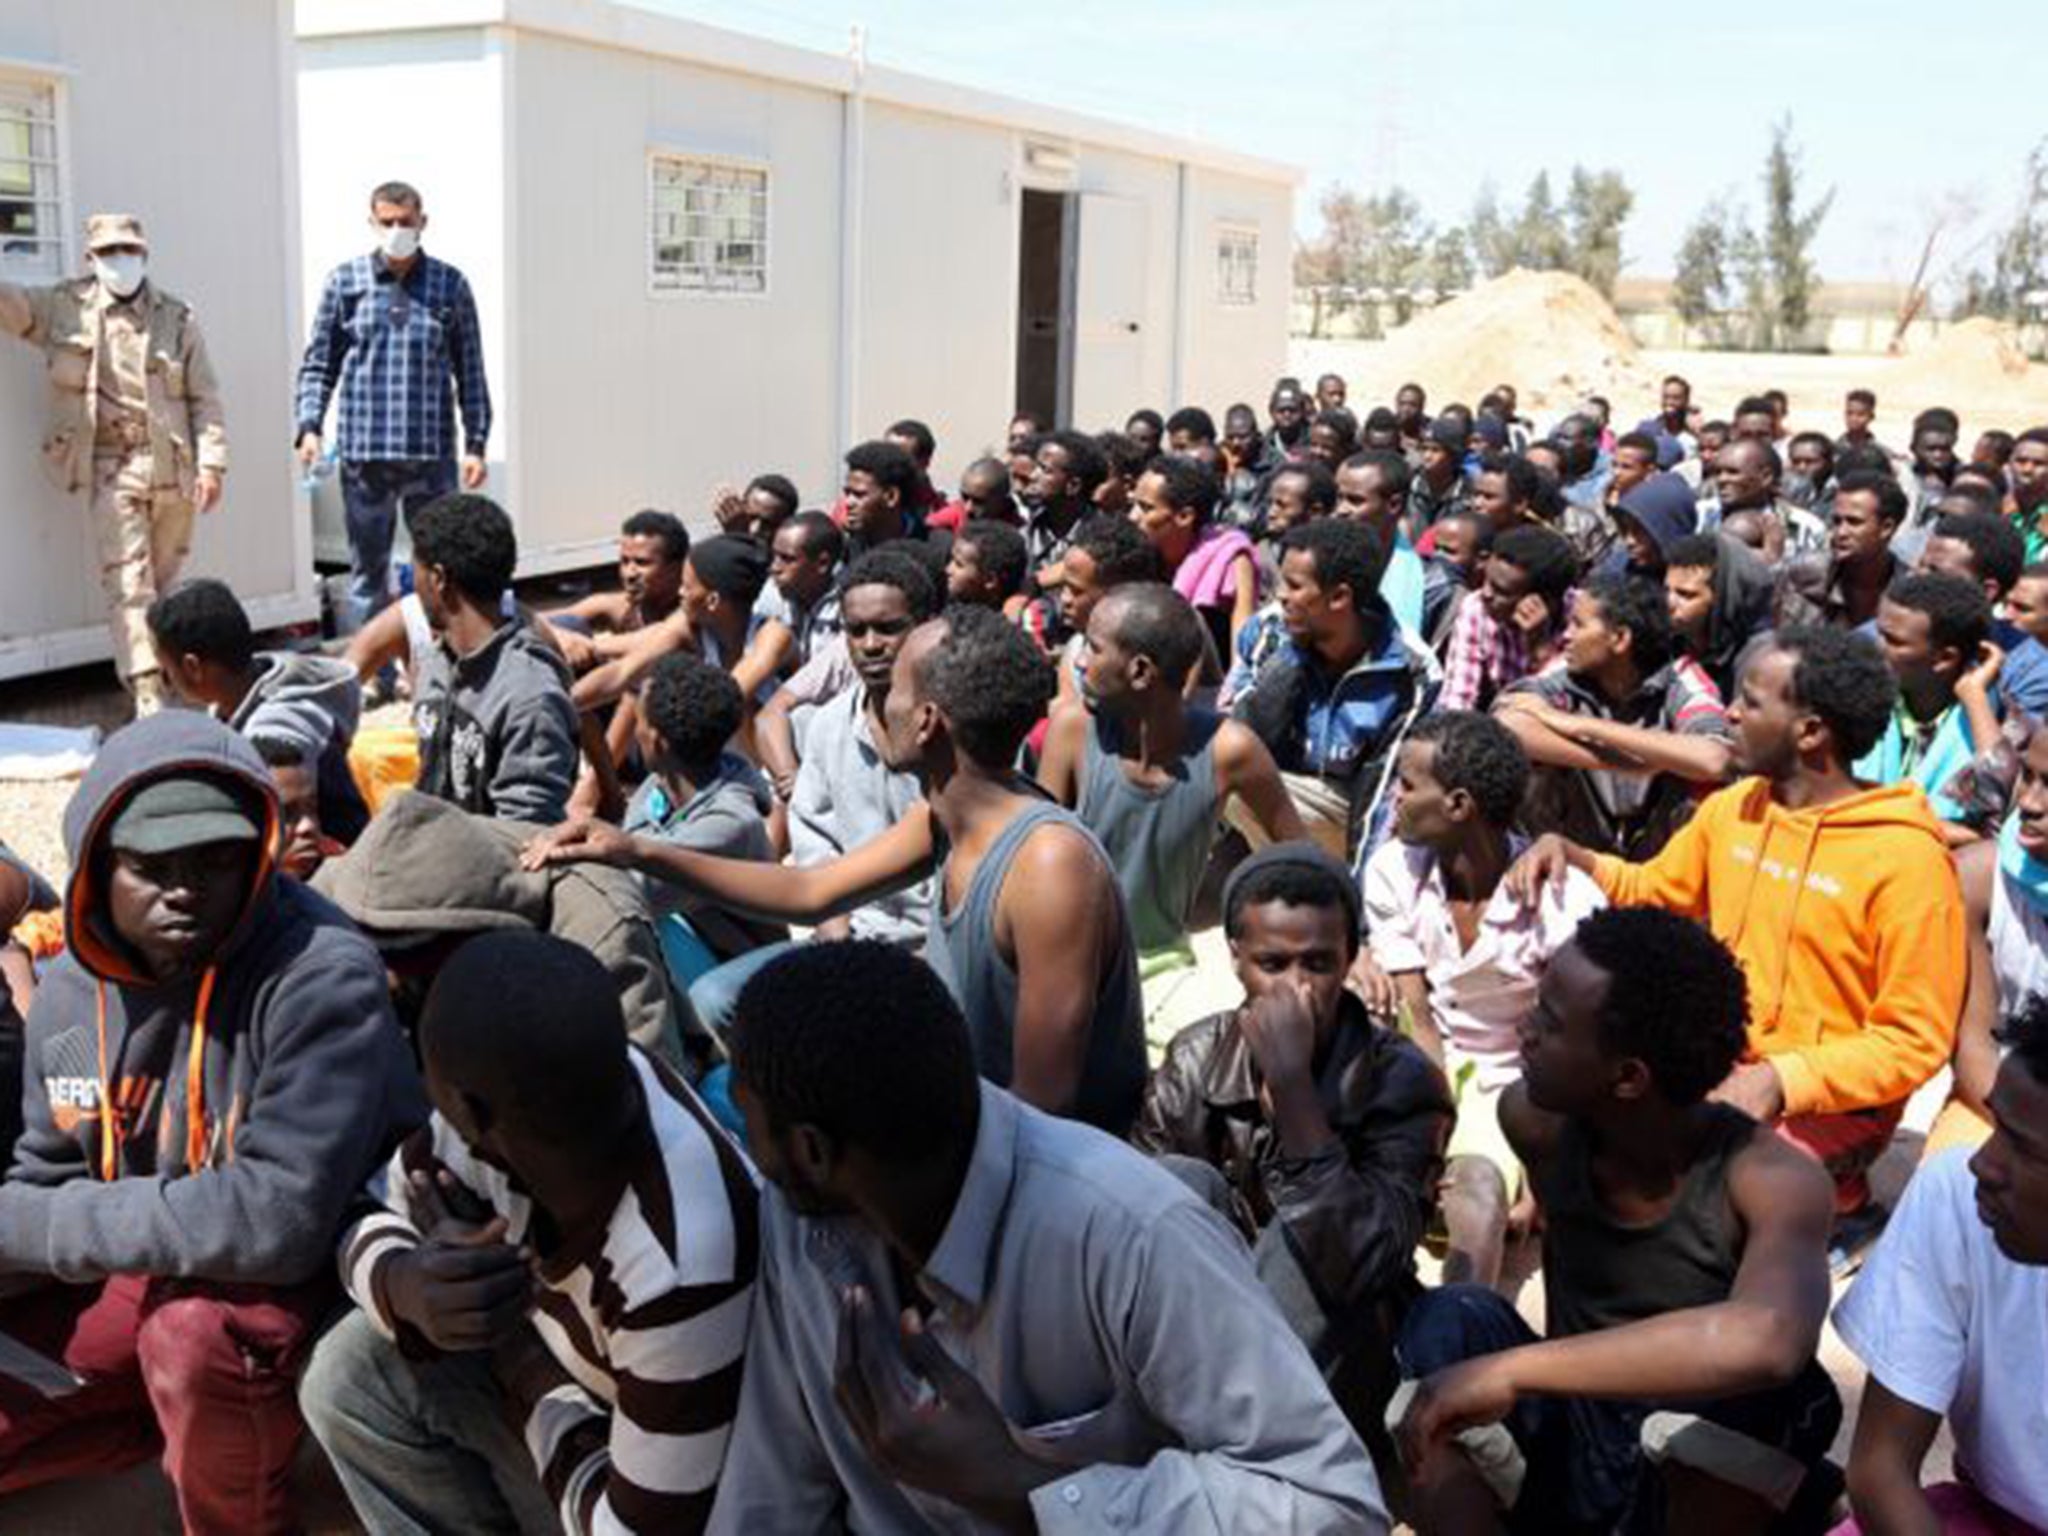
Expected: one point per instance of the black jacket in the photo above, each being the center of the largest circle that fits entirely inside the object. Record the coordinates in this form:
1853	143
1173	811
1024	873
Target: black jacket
1354	1216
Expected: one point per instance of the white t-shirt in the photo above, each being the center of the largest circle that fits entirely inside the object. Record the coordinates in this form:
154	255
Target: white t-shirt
1481	995
1951	1325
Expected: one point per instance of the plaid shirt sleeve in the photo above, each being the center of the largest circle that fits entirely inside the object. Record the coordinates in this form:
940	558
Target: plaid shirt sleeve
1466	658
466	355
320	369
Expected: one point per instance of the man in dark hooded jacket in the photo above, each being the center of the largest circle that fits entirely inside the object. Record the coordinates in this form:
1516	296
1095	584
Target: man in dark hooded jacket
212	1074
1649	518
1720	593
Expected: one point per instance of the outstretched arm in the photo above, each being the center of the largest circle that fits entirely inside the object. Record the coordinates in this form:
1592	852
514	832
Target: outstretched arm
899	857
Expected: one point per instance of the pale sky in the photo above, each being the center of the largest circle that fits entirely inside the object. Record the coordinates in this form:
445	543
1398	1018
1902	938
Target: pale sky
1898	105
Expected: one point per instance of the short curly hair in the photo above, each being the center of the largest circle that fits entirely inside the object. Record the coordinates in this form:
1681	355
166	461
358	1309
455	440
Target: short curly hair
1000	551
1638	606
1119	551
889	464
1958	613
1188	482
862	1041
202	617
1543	555
1085	460
890	566
471	538
990	681
1998	551
694	707
1344	553
1841	676
1476	753
1676	999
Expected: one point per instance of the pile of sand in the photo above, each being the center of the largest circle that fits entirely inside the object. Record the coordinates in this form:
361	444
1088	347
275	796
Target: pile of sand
1974	359
1550	334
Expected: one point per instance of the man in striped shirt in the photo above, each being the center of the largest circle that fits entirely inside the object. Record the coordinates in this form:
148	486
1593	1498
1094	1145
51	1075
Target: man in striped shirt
569	1249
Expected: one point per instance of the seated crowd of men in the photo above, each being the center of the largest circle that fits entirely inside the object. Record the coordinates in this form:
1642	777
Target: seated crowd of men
758	1077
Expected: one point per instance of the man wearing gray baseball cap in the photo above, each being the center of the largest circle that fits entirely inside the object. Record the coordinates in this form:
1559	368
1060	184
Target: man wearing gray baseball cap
212	1073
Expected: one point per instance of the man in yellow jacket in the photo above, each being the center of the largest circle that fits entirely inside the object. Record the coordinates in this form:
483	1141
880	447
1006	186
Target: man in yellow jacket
1840	901
135	422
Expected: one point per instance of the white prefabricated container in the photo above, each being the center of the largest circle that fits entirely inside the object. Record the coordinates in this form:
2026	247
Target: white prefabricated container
699	255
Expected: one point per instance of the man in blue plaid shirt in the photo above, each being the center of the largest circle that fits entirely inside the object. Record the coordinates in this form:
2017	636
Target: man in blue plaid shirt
397	333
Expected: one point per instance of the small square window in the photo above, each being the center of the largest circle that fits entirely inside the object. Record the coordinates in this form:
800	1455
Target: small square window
707	226
31	210
1237	266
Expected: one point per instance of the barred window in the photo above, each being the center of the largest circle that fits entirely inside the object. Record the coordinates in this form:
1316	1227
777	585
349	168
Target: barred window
1237	266
707	226
31	210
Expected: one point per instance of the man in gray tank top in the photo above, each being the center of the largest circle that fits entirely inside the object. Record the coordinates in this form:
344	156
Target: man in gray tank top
1042	964
1685	1276
1148	773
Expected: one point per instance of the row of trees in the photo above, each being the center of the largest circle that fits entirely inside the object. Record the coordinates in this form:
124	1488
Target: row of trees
1379	249
1739	283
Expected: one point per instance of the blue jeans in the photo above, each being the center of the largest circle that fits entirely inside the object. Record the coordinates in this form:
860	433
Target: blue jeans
715	996
374	492
1586	1470
421	1446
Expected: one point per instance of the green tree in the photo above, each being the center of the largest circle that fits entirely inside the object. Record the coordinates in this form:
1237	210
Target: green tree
1596	206
1371	251
1699	281
2019	258
1448	266
1785	302
1541	239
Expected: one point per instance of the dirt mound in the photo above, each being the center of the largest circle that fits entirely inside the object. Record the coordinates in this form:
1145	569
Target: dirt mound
1972	359
1549	334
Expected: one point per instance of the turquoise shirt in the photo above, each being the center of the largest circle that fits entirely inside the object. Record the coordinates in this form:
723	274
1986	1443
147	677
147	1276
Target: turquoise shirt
1401	584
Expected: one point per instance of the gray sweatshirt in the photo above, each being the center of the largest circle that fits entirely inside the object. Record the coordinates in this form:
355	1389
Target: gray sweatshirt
313	704
497	730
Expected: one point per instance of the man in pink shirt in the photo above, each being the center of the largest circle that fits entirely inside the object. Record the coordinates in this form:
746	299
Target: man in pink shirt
1463	956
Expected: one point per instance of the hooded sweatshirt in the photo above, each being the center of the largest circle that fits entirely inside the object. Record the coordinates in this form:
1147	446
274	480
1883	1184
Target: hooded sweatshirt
1744	590
425	868
1664	508
312	703
497	731
1848	922
304	1081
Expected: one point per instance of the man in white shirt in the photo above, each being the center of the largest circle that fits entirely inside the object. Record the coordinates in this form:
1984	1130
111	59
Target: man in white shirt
1951	1317
1463	956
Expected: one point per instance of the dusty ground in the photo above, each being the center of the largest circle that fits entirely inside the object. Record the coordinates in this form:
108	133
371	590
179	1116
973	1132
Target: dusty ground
1815	384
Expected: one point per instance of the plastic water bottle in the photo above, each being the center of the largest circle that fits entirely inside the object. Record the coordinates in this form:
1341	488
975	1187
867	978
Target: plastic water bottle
320	469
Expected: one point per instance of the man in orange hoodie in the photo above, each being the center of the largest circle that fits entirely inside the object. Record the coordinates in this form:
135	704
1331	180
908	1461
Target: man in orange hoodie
1839	900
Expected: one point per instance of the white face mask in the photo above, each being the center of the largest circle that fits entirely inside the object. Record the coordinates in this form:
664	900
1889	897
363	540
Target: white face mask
397	241
122	273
